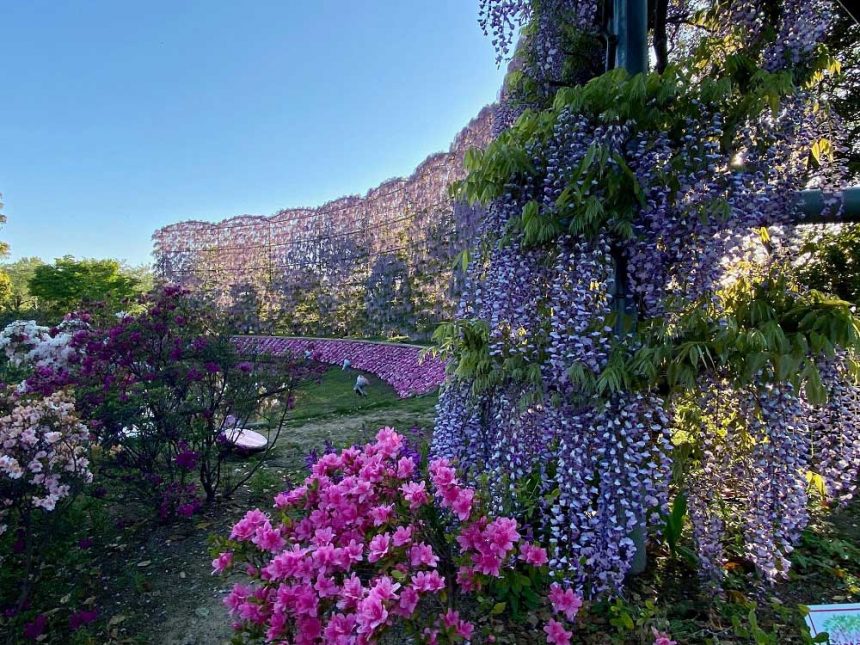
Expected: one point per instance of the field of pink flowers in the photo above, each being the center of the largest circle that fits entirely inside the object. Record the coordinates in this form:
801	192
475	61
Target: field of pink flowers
401	366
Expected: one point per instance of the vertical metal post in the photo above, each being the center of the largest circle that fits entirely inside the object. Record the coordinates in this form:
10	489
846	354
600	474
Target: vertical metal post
630	26
630	23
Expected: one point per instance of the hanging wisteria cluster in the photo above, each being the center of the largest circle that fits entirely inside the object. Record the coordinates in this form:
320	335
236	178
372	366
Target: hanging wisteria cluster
623	270
379	264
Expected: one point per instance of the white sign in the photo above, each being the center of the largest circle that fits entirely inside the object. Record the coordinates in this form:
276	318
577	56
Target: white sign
841	622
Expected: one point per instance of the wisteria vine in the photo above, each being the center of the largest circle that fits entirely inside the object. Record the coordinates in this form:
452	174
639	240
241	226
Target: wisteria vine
646	223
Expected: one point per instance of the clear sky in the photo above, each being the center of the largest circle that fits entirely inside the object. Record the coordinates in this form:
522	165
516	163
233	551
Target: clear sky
120	116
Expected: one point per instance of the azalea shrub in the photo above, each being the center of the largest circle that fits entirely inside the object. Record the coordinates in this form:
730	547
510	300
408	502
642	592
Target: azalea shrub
165	390
44	453
370	542
42	359
44	461
401	366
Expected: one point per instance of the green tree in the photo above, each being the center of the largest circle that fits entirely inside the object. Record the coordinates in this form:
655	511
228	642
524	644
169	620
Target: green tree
4	246
71	284
5	290
5	281
141	273
20	272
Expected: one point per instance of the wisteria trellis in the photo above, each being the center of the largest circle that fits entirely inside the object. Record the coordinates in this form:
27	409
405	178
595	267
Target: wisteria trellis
378	264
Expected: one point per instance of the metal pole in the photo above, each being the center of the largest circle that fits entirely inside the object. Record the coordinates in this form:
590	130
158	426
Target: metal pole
630	26
630	22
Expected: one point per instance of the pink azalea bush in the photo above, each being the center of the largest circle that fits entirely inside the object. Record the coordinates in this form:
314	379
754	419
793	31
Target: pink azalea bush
401	366
366	543
43	453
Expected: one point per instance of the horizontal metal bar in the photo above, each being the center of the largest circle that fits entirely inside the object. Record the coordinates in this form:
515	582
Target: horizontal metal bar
813	202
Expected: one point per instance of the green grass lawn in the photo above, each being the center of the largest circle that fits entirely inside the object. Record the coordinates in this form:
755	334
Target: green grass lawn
334	396
331	411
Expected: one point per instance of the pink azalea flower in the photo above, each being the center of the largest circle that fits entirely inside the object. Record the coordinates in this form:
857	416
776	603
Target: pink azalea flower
354	550
339	629
466	579
381	514
326	587
502	533
556	634
431	636
442	474
428	581
465	629
422	554
662	638
267	538
385	588
402	536
351	593
487	563
306	601
415	494
305	558
323	555
470	537
379	547
238	594
408	601
405	468
533	554
323	536
449	495
277	623
251	612
245	528
296	495
450	619
222	562
371	614
309	630
388	441
564	601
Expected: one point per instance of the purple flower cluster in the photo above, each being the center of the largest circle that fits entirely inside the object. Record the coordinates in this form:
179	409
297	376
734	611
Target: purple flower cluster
179	499
835	433
186	459
401	366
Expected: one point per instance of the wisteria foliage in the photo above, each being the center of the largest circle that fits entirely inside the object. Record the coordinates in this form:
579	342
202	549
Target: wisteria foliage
630	213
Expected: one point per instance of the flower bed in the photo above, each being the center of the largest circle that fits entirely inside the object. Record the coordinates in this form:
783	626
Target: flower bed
398	365
356	548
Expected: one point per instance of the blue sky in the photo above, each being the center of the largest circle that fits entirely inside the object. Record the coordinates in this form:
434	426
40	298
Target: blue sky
118	117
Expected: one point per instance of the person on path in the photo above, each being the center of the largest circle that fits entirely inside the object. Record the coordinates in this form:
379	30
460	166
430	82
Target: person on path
360	383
